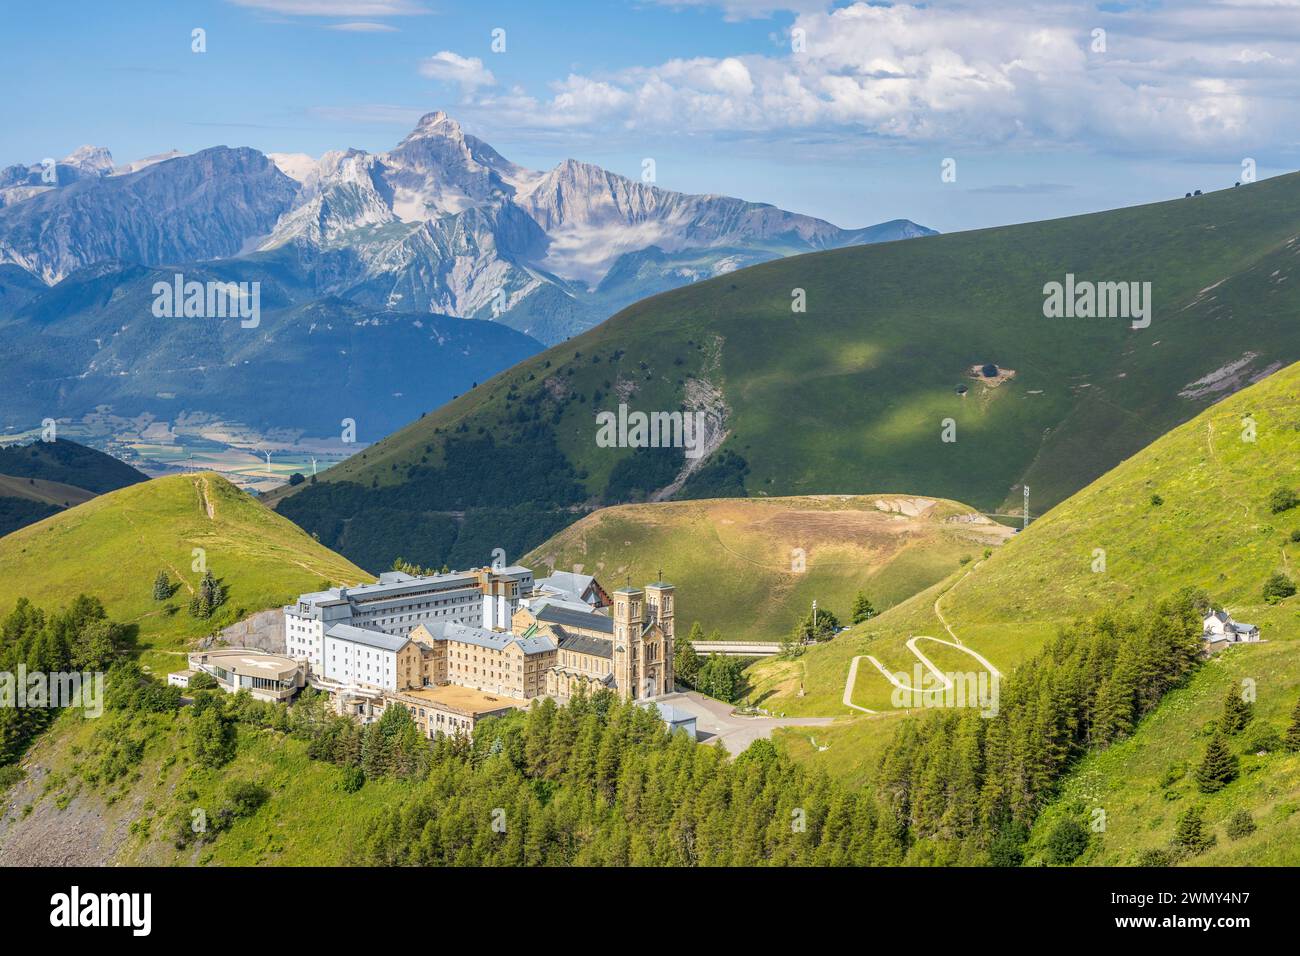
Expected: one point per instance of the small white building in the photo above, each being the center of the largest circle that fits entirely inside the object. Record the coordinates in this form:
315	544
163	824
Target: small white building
1219	626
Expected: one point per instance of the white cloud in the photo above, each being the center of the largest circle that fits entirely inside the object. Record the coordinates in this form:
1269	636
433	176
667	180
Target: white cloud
1182	75
448	67
362	27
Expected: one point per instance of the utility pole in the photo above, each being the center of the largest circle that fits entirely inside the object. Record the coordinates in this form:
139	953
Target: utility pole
813	636
1026	522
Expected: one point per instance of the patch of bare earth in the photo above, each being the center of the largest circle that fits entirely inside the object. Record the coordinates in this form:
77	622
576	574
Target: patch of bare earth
702	398
79	834
1228	378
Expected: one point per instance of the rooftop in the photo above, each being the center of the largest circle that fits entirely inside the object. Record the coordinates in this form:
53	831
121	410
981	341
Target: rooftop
584	645
667	712
565	617
462	700
361	635
569	583
248	662
481	637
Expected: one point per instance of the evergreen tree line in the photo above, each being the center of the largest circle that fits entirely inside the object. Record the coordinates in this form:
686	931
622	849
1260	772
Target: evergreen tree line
600	782
957	787
78	638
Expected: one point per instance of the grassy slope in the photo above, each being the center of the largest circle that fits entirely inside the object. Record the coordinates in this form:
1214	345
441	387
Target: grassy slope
848	397
114	545
1145	782
1214	530
731	558
308	820
68	463
46	492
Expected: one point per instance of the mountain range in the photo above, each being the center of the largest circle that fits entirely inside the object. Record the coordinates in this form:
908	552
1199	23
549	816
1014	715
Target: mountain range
395	247
440	223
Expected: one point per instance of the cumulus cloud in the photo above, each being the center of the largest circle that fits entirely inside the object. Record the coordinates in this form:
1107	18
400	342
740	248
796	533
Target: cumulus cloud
1179	75
467	71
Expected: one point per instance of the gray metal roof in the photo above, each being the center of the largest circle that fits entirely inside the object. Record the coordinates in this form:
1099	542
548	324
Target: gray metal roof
361	635
568	582
584	645
493	640
551	614
668	713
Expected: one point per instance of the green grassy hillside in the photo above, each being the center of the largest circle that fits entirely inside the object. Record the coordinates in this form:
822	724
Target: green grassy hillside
68	463
1146	782
752	567
851	394
40	478
112	547
58	816
45	492
1214	529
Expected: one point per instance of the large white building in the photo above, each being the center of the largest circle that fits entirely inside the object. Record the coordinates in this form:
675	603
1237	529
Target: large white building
399	602
454	648
355	655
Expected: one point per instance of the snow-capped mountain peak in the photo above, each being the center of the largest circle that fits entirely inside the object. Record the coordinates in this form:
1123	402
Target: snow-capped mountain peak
96	160
440	222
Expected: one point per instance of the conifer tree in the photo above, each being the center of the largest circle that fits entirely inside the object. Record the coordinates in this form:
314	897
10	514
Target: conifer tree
162	586
1237	712
686	661
1292	740
1218	768
862	608
1190	834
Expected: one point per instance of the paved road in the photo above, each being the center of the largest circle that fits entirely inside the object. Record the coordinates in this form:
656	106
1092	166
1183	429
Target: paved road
941	679
715	721
848	685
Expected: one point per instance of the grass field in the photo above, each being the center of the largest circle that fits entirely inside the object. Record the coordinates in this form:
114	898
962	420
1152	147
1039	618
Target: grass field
752	567
308	819
113	546
46	492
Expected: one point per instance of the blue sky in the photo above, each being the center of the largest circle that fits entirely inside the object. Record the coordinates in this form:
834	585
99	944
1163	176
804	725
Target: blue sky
852	124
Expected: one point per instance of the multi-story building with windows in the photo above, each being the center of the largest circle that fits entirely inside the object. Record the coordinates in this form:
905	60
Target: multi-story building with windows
398	602
497	633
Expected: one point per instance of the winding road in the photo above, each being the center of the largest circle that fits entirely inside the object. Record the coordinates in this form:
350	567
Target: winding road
944	680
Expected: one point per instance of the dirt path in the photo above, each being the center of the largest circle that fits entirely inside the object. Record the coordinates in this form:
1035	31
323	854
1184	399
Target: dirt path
126	513
205	497
939	614
1214	456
